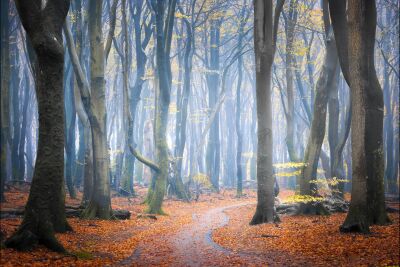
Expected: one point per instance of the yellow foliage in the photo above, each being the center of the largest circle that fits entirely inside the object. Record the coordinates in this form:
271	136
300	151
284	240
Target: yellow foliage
289	165
179	15
202	179
173	109
302	199
288	174
334	181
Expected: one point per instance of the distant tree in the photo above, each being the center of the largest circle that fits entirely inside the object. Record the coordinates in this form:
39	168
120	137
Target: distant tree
290	25
45	211
244	15
265	32
5	90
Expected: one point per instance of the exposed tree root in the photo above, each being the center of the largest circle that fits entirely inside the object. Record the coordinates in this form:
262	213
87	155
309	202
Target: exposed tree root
262	217
354	227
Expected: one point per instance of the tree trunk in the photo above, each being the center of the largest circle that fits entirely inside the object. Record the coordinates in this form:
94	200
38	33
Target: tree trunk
45	211
265	32
100	203
290	122
213	145
163	37
15	92
5	89
127	173
239	175
367	204
183	107
325	84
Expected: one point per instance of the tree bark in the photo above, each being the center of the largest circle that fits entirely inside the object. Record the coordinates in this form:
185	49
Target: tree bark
5	97
356	55
325	84
265	32
100	202
163	38
44	211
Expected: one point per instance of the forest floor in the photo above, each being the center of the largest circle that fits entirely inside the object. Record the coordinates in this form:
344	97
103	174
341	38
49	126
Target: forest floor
213	231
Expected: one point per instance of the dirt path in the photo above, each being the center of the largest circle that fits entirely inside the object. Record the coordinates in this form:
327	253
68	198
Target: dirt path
193	245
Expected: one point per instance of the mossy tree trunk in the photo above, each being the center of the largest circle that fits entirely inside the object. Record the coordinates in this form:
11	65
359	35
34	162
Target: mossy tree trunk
163	39
45	211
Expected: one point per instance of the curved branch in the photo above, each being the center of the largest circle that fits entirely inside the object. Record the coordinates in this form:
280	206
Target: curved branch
113	15
143	159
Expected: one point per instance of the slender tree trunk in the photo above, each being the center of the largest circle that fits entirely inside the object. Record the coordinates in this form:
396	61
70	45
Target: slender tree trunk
127	173
182	115
16	124
325	84
163	38
239	175
5	89
70	137
213	145
291	22
21	149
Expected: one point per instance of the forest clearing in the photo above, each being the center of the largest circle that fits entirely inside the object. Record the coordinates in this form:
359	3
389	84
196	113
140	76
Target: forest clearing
199	133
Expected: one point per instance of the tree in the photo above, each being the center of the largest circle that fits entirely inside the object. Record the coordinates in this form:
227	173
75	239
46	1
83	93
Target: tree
290	25
265	32
163	36
239	176
327	82
355	40
127	174
100	202
45	211
5	88
213	145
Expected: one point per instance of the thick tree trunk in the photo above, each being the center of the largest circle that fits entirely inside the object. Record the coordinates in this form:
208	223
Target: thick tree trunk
100	203
265	31
367	204
44	211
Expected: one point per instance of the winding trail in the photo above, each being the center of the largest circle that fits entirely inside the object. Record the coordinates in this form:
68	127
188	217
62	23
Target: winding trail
193	246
